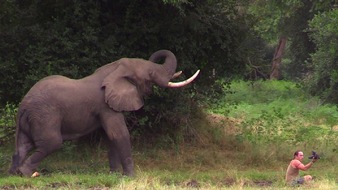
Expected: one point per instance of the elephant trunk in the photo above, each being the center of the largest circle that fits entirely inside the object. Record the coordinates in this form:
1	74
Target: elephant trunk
169	65
170	62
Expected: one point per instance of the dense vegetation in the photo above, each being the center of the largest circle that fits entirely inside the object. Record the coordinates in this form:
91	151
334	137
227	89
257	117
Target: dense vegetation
233	42
225	39
245	141
73	38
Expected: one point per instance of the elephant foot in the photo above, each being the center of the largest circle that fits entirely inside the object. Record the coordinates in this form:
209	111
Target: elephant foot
128	168
26	172
14	171
114	172
129	173
15	165
126	172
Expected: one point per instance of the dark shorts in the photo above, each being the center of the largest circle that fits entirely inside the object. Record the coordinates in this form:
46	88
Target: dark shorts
297	181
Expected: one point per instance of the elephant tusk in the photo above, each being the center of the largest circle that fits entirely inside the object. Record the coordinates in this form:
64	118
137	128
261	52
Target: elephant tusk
183	83
176	74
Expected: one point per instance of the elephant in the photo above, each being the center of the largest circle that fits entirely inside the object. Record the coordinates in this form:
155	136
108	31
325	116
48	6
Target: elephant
58	109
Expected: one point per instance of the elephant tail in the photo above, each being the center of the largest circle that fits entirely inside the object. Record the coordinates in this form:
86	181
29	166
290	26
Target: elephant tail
20	137
21	127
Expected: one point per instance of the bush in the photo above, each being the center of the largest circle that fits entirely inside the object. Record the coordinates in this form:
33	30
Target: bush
73	38
7	122
278	111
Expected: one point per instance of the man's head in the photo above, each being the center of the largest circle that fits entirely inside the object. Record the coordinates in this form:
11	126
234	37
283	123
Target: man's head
298	155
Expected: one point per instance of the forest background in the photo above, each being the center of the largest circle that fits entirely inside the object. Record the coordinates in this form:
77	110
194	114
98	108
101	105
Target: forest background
233	40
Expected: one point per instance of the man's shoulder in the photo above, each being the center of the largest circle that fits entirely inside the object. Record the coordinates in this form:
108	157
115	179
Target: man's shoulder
295	163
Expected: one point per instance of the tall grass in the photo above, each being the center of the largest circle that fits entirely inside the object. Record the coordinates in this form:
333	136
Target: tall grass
272	119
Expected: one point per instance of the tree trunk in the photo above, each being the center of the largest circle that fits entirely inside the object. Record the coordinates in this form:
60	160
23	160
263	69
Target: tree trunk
277	59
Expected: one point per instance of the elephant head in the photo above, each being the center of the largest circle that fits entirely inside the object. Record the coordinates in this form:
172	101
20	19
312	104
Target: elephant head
127	80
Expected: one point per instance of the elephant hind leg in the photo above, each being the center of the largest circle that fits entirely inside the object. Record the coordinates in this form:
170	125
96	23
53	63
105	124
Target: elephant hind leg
23	145
44	147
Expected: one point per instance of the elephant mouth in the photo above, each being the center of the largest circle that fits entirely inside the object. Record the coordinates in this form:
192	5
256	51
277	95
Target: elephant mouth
182	83
176	74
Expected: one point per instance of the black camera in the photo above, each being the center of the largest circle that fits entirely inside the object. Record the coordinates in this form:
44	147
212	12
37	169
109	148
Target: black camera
314	155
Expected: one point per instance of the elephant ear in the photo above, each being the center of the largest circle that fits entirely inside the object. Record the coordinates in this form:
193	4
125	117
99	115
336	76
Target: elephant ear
121	93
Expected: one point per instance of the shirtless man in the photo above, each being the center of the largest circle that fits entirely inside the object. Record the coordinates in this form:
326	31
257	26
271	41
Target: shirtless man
292	173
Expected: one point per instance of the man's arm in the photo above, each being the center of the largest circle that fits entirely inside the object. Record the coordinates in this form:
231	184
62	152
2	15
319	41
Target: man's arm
303	167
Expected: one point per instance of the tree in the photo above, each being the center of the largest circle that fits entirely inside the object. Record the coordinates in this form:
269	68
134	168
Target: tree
323	78
277	58
285	20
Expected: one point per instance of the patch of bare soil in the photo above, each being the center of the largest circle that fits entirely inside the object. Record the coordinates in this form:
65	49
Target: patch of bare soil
193	183
229	124
13	187
57	185
228	182
7	187
263	183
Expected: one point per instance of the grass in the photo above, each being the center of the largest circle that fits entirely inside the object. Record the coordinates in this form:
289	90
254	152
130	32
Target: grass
189	167
162	177
245	142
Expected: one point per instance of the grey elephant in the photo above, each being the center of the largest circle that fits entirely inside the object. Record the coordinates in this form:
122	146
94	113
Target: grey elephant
58	108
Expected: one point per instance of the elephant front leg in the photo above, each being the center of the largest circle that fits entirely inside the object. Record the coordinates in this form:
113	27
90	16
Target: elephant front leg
124	149
120	154
119	147
114	158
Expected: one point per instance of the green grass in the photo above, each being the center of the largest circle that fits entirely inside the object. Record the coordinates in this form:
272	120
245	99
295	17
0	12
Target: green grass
207	168
244	142
278	110
177	171
248	99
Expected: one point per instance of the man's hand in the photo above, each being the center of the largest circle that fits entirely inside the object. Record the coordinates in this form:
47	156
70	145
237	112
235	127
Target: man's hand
314	160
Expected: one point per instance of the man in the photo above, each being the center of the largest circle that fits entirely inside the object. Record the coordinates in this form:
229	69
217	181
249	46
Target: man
292	173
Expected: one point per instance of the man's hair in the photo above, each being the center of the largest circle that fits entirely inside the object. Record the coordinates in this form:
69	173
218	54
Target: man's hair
296	153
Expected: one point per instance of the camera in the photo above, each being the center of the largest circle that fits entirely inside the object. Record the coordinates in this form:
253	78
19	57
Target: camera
314	155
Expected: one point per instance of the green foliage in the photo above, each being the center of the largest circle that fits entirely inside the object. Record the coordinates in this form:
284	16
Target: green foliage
288	18
299	44
271	16
323	80
267	22
163	117
7	122
263	91
175	2
73	38
42	43
279	112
